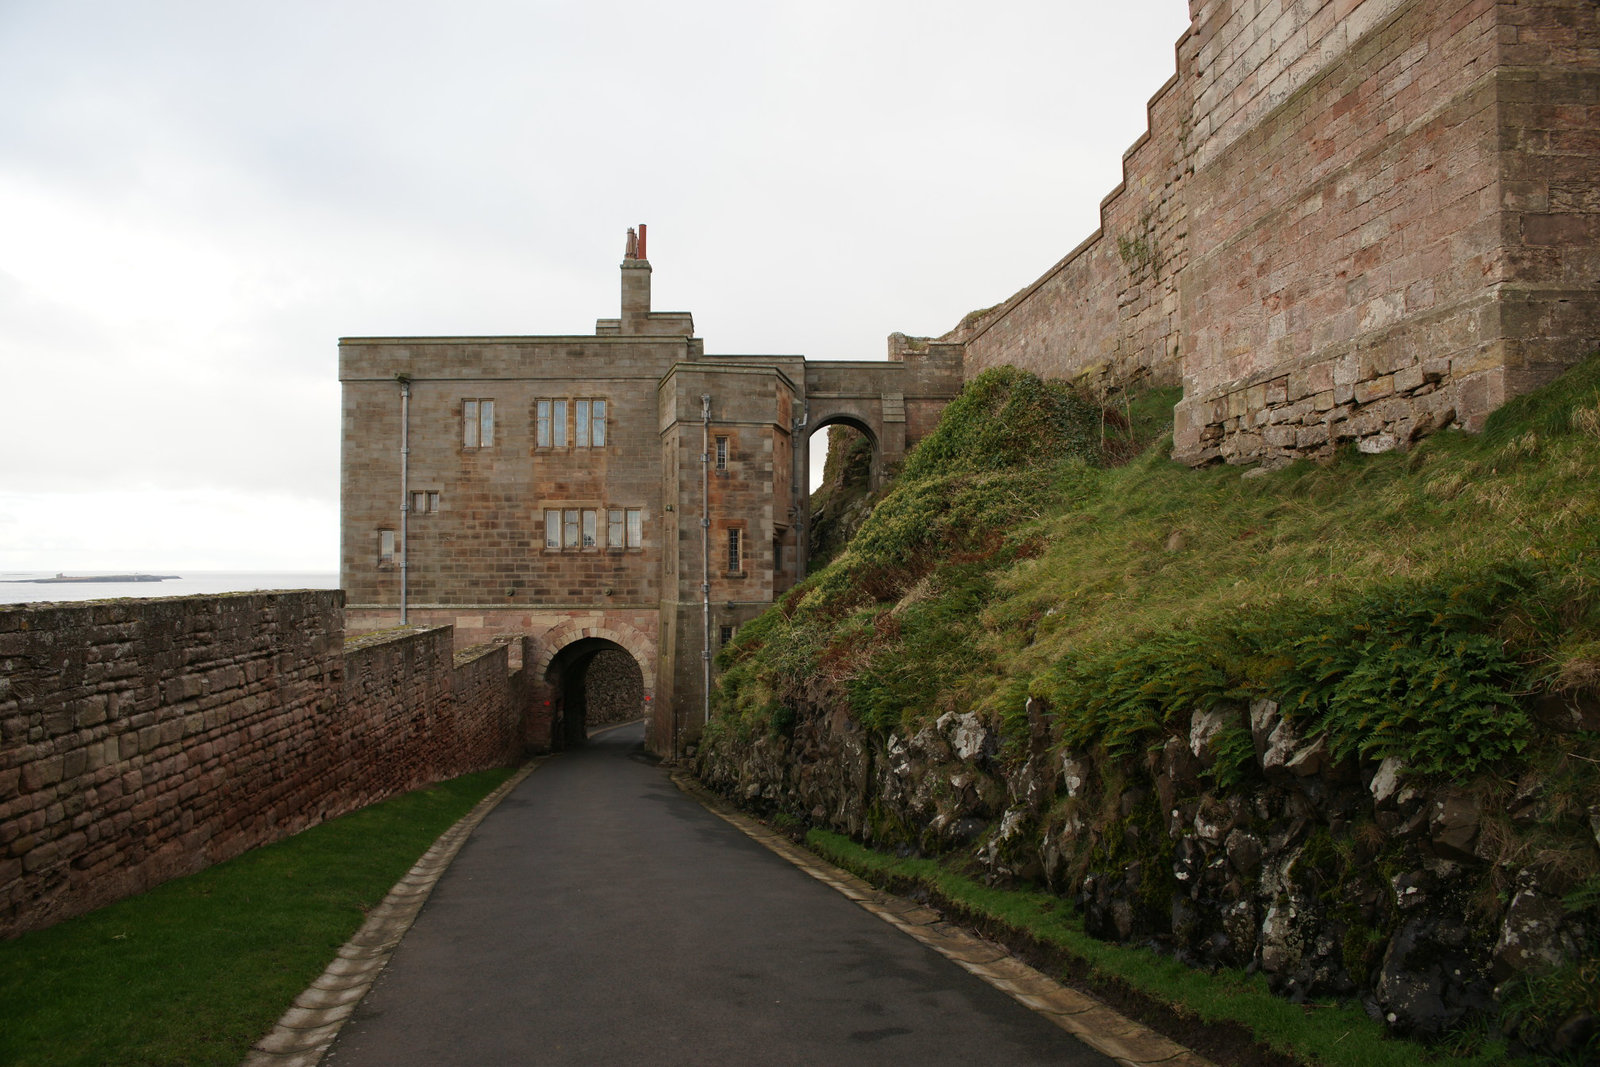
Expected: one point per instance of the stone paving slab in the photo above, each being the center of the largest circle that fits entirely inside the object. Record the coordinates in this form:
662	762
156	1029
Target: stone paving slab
1129	1043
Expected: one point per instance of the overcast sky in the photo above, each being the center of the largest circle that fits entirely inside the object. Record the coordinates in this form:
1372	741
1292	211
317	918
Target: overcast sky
198	199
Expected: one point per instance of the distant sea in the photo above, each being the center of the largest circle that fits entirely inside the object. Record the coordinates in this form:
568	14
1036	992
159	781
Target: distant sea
190	583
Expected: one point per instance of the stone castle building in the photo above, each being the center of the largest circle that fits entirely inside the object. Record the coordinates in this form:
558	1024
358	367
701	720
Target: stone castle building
620	491
1350	223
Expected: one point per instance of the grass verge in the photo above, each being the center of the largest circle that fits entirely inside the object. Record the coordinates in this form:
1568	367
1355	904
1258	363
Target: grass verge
198	968
1325	1034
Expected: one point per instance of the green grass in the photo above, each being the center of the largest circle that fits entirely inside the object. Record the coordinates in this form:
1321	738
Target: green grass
1327	1034
198	968
1415	604
1054	574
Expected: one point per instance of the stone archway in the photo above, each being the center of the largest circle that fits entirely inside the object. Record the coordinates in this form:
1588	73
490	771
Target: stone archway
639	645
865	430
593	682
562	658
853	471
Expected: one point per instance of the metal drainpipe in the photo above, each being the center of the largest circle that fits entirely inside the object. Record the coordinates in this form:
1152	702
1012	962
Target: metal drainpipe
705	554
802	494
405	487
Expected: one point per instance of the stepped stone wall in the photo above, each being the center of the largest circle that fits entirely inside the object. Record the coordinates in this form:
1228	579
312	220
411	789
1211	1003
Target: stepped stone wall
1349	221
145	739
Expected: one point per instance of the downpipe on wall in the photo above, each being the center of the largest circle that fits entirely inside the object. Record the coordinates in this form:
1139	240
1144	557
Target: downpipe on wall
801	492
405	487
705	557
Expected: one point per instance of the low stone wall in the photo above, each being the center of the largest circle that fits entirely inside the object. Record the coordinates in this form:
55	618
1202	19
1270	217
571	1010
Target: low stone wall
145	739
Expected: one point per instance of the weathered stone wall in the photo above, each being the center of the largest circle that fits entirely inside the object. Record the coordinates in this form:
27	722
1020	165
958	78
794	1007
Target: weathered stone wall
1359	261
1333	877
145	739
1349	221
1548	93
412	711
1108	311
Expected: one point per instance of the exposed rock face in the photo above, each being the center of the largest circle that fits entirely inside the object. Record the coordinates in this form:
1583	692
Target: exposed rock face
1333	877
844	499
613	688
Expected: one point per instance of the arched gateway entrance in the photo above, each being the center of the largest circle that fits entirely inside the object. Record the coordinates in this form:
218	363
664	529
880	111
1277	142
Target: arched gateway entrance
585	673
593	682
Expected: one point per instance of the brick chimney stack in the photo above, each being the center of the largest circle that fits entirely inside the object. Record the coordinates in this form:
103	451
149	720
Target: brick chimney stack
635	284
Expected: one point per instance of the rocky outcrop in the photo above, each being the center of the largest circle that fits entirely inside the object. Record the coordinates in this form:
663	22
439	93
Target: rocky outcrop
613	689
843	500
1333	877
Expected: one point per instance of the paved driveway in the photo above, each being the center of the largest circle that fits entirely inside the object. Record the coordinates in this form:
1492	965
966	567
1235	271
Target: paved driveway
599	916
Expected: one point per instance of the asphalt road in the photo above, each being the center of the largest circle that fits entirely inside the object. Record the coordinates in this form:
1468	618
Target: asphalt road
599	916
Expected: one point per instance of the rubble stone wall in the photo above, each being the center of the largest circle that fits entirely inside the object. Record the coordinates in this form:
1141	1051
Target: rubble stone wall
1154	852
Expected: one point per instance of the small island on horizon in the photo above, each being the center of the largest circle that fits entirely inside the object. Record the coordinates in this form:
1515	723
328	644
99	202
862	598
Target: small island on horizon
65	578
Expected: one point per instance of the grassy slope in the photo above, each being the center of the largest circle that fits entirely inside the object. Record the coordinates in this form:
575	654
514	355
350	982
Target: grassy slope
1412	604
197	969
989	577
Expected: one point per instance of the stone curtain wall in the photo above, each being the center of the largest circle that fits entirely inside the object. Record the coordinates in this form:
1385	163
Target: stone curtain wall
1548	94
145	739
1349	221
1404	242
1354	300
1108	311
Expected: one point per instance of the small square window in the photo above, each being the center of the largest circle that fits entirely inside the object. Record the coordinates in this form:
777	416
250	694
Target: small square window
424	501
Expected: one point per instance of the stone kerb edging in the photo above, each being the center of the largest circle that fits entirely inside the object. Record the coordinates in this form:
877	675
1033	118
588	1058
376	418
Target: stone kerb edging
1127	1042
304	1032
